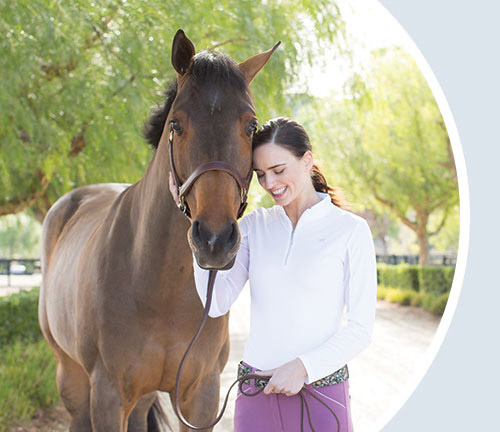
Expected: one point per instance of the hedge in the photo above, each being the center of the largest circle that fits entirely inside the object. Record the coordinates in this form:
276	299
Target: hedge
439	304
27	364
19	317
435	280
426	287
399	276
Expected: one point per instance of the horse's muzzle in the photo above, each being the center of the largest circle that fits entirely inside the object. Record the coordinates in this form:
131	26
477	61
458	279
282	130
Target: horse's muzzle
215	250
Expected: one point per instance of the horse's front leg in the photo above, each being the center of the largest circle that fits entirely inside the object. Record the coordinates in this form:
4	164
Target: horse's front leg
199	404
138	420
108	411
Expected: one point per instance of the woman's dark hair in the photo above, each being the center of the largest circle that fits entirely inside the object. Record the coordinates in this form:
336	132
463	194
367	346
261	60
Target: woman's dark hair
292	136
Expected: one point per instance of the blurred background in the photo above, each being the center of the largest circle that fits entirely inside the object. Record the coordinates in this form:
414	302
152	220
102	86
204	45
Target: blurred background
80	78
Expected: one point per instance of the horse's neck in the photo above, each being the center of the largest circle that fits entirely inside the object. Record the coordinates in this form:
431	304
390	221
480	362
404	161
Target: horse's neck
159	227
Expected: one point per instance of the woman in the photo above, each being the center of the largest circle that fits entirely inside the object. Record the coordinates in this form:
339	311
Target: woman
306	259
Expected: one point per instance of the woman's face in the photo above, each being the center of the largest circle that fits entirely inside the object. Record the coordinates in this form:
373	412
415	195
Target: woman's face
281	173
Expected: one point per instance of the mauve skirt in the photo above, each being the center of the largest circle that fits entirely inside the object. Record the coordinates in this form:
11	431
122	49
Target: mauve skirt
281	413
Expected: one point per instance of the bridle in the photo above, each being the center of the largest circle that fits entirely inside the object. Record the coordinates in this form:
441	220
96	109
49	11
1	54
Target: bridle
184	188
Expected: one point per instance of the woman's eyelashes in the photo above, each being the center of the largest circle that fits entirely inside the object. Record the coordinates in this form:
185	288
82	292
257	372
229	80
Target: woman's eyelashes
275	172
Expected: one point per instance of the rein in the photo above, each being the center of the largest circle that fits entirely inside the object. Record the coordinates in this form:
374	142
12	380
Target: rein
239	381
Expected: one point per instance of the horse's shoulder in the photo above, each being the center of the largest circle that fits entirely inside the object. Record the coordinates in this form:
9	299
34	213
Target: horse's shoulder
91	195
91	200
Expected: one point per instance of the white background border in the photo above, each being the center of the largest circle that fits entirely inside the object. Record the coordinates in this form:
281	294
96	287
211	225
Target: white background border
460	40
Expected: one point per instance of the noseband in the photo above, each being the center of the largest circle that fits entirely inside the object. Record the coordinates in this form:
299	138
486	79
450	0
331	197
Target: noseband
184	188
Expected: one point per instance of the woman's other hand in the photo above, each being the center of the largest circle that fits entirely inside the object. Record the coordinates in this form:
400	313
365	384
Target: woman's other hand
287	379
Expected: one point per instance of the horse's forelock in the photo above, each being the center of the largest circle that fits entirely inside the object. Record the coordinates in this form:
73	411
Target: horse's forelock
217	69
209	68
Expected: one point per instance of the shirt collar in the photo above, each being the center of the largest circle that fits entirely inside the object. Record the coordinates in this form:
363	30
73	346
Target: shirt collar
316	211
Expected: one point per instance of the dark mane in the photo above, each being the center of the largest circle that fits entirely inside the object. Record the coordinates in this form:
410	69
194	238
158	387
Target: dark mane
208	67
153	128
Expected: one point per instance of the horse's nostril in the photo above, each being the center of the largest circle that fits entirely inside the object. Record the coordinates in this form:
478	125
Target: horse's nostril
202	236
234	232
215	242
196	229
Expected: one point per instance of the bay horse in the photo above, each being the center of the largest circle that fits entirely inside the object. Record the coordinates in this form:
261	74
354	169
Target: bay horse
118	304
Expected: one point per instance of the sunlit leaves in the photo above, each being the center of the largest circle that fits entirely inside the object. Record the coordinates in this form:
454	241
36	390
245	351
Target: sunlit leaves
79	79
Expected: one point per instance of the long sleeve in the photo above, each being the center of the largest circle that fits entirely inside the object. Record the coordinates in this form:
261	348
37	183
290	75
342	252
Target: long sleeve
360	284
228	283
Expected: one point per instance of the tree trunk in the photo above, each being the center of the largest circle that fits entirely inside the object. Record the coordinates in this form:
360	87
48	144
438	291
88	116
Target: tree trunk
424	248
422	236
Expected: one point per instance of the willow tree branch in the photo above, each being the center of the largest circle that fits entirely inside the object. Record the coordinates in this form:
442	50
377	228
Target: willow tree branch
53	70
240	39
441	225
19	203
412	225
451	158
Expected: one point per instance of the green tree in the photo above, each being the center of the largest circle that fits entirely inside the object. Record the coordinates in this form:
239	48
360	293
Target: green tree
387	142
79	79
447	238
19	236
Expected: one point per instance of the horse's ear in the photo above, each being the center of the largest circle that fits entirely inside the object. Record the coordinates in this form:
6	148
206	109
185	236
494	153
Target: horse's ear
182	52
251	66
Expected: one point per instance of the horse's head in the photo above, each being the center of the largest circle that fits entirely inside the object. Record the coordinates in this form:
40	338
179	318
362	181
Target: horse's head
211	119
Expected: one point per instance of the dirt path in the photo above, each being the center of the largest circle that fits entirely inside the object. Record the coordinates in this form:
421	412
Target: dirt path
379	380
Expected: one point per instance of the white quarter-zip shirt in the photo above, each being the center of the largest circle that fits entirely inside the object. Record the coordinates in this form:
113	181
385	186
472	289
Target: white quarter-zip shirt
300	282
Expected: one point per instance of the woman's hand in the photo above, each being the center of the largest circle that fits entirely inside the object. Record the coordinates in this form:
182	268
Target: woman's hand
287	379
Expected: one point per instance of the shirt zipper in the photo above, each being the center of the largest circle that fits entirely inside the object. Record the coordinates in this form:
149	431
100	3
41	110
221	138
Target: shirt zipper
289	247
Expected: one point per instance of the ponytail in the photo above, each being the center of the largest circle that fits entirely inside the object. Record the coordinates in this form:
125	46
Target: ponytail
320	185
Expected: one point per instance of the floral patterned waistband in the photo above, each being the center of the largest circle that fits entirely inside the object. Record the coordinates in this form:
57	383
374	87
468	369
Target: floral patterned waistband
336	377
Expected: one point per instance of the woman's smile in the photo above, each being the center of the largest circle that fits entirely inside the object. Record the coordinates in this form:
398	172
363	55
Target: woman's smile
278	193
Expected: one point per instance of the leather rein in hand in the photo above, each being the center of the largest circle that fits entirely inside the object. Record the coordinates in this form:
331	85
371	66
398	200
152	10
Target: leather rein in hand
183	189
239	381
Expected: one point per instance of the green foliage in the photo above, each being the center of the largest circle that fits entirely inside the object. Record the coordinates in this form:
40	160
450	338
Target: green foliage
427	279
438	305
427	300
400	296
436	280
401	276
447	238
19	236
381	292
27	364
426	287
416	301
19	317
431	302
28	371
80	78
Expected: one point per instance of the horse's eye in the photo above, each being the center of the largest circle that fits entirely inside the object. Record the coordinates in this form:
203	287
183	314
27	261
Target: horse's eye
176	126
252	128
